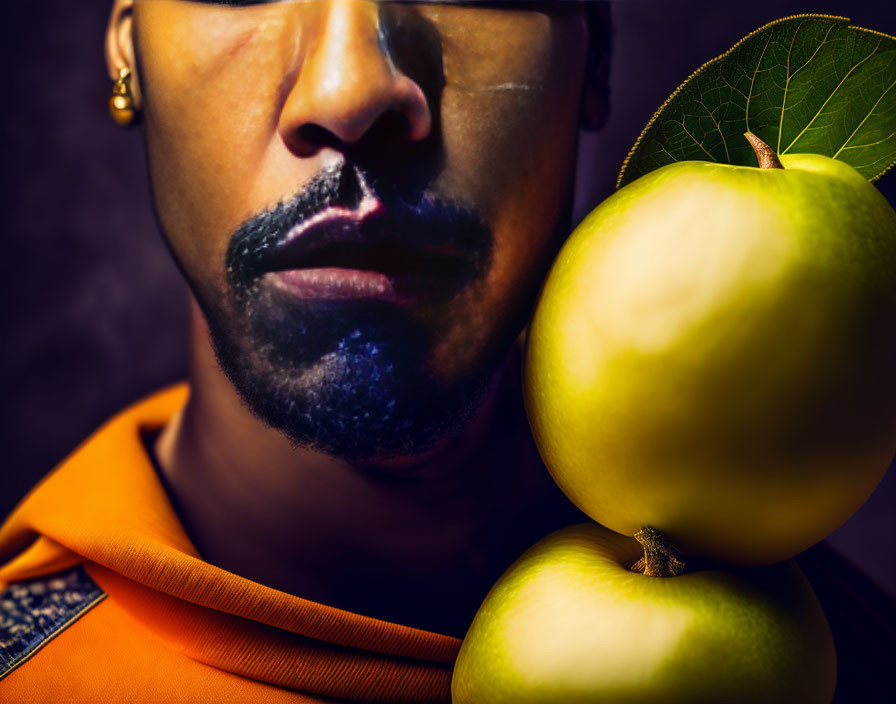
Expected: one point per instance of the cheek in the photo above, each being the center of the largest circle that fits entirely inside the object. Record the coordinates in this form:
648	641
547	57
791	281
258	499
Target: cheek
210	78
511	137
510	127
511	99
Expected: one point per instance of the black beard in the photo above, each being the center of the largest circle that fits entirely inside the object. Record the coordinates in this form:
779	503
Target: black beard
347	377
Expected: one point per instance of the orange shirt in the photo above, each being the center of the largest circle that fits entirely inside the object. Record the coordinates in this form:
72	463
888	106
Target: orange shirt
147	620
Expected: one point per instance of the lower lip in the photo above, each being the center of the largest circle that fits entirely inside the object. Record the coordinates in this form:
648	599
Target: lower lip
335	284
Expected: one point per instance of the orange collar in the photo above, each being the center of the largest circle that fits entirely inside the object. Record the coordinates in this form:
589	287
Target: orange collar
105	507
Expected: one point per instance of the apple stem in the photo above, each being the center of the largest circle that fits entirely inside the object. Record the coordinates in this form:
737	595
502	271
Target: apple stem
660	559
765	155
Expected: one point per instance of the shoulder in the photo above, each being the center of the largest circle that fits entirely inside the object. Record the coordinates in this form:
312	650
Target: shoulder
35	611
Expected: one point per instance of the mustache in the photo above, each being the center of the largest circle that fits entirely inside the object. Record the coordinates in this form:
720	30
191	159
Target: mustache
414	219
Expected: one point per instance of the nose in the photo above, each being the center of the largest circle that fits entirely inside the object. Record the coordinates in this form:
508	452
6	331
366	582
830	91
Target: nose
347	82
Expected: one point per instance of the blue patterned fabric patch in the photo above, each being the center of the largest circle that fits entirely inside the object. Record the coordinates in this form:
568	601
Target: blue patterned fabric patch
33	612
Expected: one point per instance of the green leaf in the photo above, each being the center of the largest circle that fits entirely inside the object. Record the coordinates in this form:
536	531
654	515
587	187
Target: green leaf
803	84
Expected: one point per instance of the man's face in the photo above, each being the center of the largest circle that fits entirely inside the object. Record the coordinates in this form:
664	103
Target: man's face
363	196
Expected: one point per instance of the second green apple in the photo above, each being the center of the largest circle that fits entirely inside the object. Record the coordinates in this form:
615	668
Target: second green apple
571	623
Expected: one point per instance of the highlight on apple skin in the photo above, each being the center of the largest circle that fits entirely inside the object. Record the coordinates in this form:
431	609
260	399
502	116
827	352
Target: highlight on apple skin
570	623
712	355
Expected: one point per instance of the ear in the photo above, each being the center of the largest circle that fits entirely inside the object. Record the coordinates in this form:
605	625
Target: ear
120	51
596	91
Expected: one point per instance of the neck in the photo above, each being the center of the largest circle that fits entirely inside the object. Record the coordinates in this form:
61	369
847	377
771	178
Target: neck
417	542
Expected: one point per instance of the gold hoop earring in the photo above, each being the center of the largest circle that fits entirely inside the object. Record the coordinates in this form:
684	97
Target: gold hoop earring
121	102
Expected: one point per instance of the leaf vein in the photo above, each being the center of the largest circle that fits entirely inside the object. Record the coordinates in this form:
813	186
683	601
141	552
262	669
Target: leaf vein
786	86
699	144
870	113
724	141
833	93
733	87
814	53
869	144
753	80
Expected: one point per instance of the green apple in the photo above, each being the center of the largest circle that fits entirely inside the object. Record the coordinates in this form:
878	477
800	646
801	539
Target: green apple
714	355
569	623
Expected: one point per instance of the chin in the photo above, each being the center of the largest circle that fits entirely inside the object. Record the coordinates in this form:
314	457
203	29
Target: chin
352	380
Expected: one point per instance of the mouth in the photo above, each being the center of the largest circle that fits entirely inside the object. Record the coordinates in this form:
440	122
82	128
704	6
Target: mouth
364	253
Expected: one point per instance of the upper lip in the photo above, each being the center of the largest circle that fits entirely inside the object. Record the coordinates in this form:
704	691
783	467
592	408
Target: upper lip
365	237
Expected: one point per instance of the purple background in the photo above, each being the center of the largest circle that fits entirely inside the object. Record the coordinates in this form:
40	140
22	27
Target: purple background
94	308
